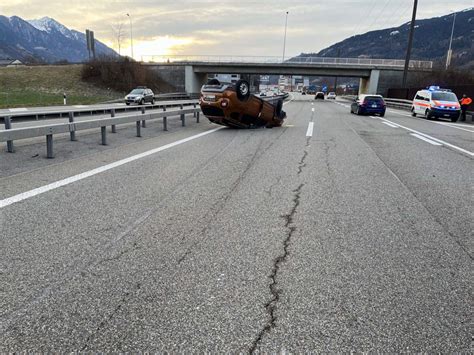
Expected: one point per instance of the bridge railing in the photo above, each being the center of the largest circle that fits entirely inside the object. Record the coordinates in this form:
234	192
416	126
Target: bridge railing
10	134
279	60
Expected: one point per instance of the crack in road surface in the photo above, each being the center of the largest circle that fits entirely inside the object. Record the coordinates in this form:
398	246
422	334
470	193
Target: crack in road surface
125	297
271	305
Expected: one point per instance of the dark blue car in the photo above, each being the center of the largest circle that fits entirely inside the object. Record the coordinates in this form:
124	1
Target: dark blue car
369	105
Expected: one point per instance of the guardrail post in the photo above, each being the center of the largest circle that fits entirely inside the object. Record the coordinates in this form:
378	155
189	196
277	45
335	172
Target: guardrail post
103	133
139	133
165	120
8	125
194	114
112	114
183	118
197	116
49	146
72	133
143	121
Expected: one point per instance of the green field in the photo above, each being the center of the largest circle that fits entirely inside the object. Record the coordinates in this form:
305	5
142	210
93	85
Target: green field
45	85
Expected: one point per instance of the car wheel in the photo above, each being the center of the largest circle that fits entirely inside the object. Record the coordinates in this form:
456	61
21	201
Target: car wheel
454	119
153	101
382	114
142	102
127	103
242	88
427	114
413	113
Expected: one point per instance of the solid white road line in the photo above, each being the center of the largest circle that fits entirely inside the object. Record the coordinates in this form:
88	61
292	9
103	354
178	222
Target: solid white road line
389	124
429	137
455	126
309	132
449	124
40	190
312	110
424	139
19	109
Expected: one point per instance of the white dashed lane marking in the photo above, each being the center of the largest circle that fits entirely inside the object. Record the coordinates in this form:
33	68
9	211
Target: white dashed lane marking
425	139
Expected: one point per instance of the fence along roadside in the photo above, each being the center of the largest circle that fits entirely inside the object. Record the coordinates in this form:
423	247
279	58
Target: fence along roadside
10	134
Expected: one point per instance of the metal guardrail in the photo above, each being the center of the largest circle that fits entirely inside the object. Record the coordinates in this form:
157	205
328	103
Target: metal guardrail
10	134
279	60
92	109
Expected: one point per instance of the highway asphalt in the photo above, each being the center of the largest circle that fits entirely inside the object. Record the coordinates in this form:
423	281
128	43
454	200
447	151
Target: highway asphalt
334	233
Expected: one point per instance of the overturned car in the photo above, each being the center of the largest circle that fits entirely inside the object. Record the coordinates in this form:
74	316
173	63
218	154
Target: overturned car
232	105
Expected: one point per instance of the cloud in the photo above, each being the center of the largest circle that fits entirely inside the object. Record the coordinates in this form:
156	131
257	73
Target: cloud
229	27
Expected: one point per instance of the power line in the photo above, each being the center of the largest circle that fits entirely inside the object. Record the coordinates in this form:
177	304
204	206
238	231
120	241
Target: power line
359	24
376	18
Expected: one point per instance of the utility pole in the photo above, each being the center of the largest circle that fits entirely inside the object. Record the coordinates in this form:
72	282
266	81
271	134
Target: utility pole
410	43
131	32
335	78
450	51
284	38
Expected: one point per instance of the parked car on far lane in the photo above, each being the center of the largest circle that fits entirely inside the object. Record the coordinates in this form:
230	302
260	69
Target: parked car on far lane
319	95
140	95
369	104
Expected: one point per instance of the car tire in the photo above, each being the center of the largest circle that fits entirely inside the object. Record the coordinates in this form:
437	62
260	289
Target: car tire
127	103
141	102
153	101
427	115
413	113
242	87
454	119
382	114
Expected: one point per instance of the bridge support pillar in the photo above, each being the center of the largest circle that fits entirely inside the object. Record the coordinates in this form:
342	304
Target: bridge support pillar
193	81
370	85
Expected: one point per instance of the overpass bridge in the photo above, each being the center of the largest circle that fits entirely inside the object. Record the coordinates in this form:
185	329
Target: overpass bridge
376	75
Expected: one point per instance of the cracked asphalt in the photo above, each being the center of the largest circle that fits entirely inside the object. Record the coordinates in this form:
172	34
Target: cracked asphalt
357	238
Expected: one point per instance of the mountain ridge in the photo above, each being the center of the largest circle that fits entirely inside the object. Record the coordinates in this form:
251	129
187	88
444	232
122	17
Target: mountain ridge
45	40
431	41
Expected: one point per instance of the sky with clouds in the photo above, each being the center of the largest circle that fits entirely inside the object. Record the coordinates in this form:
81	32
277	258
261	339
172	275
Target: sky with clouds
228	27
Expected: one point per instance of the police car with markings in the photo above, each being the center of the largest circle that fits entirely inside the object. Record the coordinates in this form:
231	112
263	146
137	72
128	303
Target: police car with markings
435	102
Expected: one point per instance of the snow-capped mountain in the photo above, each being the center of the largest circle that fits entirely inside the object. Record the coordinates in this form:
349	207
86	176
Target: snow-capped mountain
45	40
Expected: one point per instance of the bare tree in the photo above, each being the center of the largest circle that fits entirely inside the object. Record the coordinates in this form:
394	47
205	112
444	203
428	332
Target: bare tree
119	33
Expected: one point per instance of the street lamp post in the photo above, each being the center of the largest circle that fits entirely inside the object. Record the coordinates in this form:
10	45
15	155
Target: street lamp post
450	51
284	38
131	32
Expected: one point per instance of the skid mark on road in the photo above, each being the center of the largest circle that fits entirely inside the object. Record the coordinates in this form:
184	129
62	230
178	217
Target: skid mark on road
41	190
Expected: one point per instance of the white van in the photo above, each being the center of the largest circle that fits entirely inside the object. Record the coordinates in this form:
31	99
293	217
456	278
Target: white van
436	103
